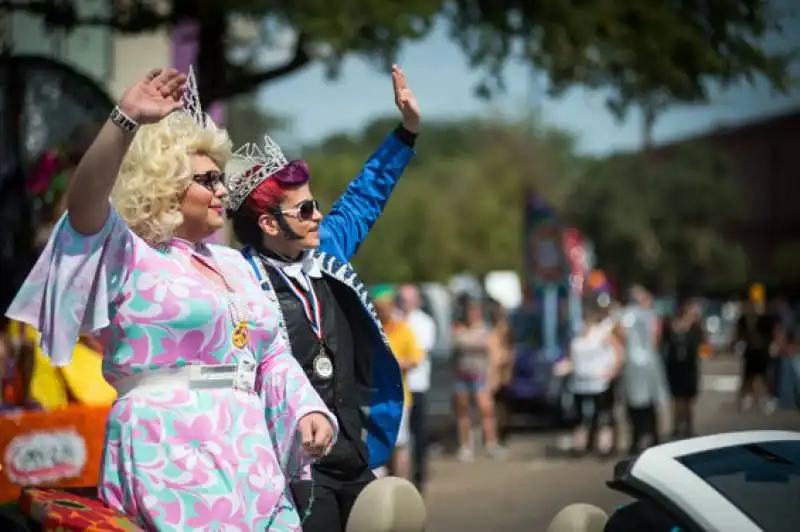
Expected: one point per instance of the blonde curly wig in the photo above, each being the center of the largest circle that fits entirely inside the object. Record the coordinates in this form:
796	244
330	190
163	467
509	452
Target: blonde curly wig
157	171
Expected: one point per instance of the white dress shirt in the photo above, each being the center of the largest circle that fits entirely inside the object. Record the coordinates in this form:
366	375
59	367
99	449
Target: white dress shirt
299	270
424	329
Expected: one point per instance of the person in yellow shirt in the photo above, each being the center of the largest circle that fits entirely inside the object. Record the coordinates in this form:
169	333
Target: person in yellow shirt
408	353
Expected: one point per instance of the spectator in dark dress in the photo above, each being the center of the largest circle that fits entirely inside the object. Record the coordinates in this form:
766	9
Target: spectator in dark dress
682	340
784	319
757	332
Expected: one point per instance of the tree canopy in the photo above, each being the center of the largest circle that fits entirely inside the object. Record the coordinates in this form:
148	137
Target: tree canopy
459	206
657	51
248	121
665	221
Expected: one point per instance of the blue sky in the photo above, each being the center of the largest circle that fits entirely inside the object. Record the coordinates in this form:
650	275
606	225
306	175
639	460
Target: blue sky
439	76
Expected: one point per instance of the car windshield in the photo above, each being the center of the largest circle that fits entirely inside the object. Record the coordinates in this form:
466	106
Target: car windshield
761	479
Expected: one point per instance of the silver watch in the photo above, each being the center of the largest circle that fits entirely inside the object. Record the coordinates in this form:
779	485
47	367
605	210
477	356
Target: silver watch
120	119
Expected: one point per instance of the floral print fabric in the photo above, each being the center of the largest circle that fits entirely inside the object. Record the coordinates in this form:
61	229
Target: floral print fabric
177	459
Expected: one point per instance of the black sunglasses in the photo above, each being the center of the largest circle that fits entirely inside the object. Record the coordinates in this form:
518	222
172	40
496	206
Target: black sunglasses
209	180
304	210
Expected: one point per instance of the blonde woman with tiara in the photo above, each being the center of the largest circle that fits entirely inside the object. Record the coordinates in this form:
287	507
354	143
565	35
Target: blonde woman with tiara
214	416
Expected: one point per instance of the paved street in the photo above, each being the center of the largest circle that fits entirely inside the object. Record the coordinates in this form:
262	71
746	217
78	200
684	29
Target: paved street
527	490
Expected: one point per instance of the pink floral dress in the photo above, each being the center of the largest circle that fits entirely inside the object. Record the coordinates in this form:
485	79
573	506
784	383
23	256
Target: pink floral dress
177	458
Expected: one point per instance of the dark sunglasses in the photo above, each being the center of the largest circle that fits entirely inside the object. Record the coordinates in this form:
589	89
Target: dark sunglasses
304	210
210	180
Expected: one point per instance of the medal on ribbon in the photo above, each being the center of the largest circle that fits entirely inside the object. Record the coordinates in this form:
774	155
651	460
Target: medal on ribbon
241	332
322	365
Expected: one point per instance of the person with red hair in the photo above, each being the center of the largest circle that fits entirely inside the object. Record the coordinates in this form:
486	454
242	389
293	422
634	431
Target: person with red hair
302	262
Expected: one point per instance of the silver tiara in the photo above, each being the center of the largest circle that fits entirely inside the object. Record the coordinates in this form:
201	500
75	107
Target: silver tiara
191	104
250	166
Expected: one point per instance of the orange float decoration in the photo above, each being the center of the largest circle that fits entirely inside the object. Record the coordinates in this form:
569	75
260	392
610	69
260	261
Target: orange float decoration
61	511
62	448
61	444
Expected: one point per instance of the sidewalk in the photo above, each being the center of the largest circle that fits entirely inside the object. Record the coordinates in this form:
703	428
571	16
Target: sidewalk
715	412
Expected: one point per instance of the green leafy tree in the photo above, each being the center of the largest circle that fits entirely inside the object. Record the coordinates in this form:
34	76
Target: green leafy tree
784	265
654	51
247	121
663	220
458	207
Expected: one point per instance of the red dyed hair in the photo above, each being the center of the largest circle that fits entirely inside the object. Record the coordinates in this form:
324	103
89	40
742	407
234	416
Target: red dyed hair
271	192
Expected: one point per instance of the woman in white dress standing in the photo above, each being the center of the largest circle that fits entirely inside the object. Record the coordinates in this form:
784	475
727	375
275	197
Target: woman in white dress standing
595	356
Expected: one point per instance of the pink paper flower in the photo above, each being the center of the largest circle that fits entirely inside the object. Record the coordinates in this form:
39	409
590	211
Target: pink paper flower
41	176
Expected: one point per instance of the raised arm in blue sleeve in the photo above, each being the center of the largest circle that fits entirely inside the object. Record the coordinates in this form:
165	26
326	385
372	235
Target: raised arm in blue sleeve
347	224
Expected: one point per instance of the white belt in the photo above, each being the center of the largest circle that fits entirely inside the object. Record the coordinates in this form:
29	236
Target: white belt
241	376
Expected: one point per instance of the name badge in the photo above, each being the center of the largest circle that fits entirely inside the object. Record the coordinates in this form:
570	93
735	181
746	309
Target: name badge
245	378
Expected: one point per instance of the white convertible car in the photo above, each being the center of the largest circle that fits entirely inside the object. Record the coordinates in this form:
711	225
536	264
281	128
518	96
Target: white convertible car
736	482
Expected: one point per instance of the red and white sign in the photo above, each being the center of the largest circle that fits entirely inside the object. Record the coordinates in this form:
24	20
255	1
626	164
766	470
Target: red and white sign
44	456
545	254
575	251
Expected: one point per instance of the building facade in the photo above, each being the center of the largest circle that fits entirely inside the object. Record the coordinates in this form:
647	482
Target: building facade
113	61
764	153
